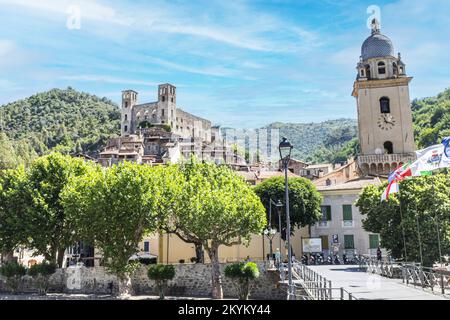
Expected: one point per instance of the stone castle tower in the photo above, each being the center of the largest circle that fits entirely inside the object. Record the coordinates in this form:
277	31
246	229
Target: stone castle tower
384	112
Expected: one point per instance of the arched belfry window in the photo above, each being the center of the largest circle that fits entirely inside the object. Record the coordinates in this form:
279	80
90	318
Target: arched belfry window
381	67
388	147
385	105
368	71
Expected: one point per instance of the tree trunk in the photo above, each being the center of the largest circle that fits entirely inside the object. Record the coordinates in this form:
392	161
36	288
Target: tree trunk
60	258
199	253
125	287
217	291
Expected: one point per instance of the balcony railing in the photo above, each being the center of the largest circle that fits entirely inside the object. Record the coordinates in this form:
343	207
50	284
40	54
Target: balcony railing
386	158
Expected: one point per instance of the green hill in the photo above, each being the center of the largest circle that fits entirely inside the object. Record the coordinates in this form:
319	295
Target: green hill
64	120
329	141
431	119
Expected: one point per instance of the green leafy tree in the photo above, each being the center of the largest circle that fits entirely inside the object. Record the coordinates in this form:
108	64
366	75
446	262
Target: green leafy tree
13	272
8	158
41	273
425	211
47	225
217	208
12	213
243	274
113	209
161	274
304	201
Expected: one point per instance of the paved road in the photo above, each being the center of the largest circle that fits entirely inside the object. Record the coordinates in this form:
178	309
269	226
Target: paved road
371	287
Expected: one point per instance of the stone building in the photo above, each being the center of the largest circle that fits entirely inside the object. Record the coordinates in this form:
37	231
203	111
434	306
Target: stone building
385	122
160	132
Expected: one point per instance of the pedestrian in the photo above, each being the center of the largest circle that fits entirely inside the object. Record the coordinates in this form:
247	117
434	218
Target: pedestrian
277	257
379	256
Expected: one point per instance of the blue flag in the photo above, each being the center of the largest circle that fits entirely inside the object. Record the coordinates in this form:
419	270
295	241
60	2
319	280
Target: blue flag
446	143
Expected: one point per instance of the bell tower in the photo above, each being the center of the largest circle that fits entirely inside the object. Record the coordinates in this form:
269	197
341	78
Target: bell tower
381	90
129	100
167	101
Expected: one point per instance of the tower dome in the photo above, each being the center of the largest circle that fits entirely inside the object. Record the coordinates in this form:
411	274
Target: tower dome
377	45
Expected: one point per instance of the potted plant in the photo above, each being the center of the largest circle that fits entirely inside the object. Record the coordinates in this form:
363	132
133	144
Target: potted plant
161	274
13	272
41	273
242	274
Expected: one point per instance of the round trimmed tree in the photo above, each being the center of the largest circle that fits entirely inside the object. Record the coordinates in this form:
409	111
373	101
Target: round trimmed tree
161	274
242	274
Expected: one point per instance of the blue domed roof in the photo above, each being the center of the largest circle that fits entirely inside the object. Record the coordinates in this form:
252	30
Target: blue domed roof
377	45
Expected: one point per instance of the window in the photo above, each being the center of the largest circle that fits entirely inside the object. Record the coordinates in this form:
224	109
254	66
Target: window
349	241
163	99
325	245
326	213
126	117
381	68
125	129
385	106
171	99
162	112
126	104
388	147
347	211
146	246
374	241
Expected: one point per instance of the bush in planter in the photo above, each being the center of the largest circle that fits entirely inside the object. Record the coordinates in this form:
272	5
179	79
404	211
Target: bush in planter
243	274
13	272
42	272
161	273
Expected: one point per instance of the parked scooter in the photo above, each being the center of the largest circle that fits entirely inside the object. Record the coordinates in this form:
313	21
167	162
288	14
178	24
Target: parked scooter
320	259
345	259
305	259
336	260
330	259
313	260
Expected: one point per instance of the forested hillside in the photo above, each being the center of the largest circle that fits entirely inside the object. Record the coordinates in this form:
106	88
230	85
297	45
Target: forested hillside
431	119
64	120
329	141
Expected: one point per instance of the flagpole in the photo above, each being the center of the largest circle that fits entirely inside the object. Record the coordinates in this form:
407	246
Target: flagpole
437	226
418	234
403	227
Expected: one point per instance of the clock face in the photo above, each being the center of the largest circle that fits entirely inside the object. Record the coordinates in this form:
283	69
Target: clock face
386	122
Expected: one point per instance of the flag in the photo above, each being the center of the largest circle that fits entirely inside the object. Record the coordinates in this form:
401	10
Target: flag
432	158
399	174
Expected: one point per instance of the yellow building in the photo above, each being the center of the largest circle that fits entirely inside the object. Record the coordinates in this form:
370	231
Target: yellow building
171	249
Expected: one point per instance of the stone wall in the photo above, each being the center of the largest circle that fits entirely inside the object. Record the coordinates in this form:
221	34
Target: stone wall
191	280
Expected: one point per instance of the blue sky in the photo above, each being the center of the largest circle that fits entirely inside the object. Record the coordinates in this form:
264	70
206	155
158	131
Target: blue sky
239	63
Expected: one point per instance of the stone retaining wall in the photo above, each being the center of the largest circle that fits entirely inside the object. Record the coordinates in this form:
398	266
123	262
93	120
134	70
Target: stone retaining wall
190	280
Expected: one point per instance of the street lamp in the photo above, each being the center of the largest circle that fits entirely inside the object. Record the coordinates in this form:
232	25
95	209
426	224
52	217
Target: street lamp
285	155
269	232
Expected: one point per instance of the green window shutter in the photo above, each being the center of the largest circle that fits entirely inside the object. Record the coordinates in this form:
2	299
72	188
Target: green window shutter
374	241
347	209
349	242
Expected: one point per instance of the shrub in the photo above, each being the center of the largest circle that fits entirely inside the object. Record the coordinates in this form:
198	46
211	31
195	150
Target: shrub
242	274
161	273
42	272
13	272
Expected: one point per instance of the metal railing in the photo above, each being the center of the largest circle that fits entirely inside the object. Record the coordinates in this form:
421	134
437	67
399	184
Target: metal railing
386	268
310	285
438	281
435	280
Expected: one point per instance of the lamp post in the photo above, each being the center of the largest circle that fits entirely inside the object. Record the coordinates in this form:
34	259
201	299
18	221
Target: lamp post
279	206
285	155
